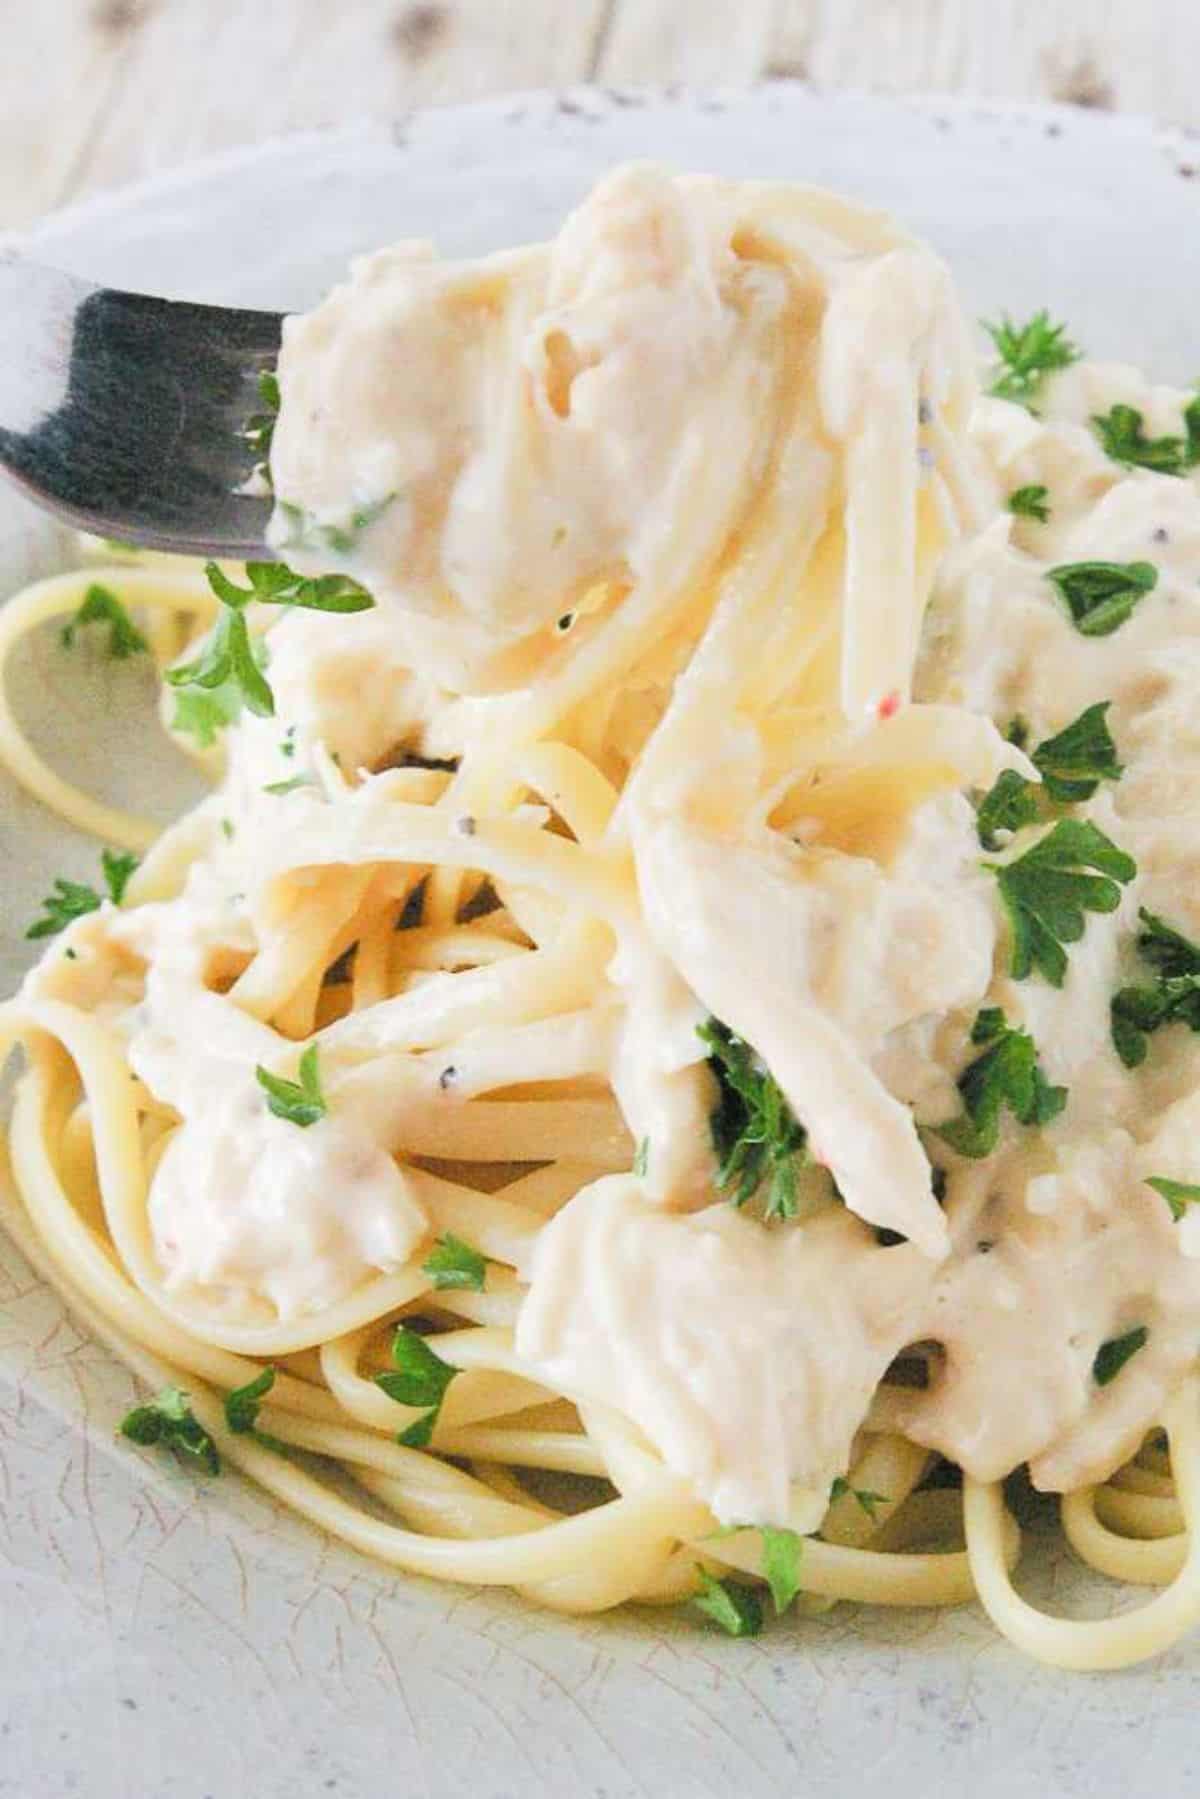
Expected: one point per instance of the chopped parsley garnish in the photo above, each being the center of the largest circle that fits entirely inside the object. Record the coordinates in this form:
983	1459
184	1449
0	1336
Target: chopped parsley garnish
1173	997
1112	1356
1073	763
756	1135
306	532
418	1377
227	657
73	899
1030	502
1046	893
641	1159
260	426
168	1419
782	1552
1122	434
734	1607
298	1102
1179	1195
1008	1073
1009	804
100	607
293	785
453	1263
202	714
869	1502
1026	354
242	1405
1102	595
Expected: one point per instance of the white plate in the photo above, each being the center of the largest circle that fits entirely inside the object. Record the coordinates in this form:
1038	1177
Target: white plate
164	1638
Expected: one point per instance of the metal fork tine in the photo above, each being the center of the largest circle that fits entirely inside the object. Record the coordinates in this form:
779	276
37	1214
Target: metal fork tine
124	414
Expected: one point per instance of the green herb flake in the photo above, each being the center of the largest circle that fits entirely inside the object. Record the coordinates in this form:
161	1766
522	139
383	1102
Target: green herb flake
1179	1195
1123	438
204	714
168	1420
782	1553
298	1102
100	607
1102	595
1030	502
118	867
1026	354
1172	997
1073	763
228	660
756	1135
455	1264
1112	1356
74	899
1009	804
278	788
242	1405
260	426
418	1377
307	532
641	1160
729	1604
1046	893
1007	1074
867	1501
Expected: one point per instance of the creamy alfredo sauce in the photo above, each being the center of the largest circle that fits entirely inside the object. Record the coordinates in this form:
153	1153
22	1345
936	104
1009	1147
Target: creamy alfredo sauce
511	436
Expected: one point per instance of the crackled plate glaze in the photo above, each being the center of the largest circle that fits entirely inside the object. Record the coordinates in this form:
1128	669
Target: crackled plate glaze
164	1638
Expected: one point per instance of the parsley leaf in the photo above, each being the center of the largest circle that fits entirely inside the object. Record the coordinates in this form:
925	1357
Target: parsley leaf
306	532
869	1502
1179	1195
118	866
1112	1356
1102	595
299	1102
202	714
1010	803
74	899
168	1419
735	1608
756	1135
275	584
1122	435
1008	1073
1073	763
1030	502
419	1377
241	1405
260	426
782	1551
1173	998
1046	894
454	1263
1026	354
279	788
102	607
229	660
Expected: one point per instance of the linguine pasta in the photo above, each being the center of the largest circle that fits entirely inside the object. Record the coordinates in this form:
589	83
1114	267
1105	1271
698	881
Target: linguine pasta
601	1067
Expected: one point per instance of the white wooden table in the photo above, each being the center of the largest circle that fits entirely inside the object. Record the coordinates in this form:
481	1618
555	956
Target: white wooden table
94	92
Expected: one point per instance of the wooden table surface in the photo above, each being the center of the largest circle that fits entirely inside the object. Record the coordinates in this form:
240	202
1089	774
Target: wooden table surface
95	92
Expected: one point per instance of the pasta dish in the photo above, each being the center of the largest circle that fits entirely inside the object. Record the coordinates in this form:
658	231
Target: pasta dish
666	1068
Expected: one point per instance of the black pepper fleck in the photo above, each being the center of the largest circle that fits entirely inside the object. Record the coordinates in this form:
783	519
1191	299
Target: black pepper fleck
465	826
447	1077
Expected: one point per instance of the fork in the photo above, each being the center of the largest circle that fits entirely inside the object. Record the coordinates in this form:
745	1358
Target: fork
126	415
